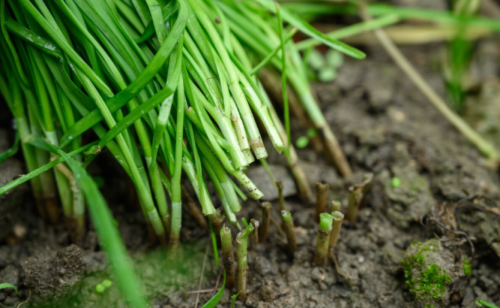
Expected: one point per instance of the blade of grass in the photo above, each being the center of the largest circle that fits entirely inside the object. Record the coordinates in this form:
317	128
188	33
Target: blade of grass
312	32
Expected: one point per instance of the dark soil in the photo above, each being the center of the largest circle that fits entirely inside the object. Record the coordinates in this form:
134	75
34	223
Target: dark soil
385	127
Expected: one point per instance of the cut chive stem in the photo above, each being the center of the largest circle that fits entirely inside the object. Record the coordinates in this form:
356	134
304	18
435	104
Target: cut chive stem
241	254
228	256
357	196
266	220
321	197
255	224
323	239
289	231
338	218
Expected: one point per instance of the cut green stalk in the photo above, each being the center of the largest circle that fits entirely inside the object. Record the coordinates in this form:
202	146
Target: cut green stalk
338	218
289	231
266	220
241	254
357	194
323	238
321	197
228	256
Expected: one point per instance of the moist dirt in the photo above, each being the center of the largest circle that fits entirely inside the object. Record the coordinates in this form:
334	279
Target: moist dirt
385	127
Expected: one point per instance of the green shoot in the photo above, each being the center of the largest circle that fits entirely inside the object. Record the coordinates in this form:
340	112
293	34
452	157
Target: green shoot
215	300
8	285
234	296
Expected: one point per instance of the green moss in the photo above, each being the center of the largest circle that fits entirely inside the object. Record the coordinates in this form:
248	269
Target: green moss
467	267
432	281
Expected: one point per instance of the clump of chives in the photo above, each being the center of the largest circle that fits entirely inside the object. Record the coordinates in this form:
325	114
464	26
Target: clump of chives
338	218
323	238
289	231
228	256
321	196
241	254
266	220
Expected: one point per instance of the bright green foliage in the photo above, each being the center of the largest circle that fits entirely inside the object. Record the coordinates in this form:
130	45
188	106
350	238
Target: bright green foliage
467	267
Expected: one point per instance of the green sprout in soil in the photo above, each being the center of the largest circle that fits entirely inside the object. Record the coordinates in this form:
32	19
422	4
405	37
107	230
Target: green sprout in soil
8	285
467	267
233	297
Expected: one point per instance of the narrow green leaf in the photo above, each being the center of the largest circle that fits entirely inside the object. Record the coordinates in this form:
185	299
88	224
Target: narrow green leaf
214	301
10	285
312	32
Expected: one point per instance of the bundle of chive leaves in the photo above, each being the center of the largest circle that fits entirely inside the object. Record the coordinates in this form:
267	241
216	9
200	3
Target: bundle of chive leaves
179	72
